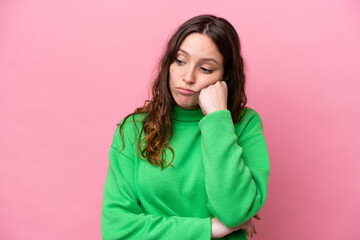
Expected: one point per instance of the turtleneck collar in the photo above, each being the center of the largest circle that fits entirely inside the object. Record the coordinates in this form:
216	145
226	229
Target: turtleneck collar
187	115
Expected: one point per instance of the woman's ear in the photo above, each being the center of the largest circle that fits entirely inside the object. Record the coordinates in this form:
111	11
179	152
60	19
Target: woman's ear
226	76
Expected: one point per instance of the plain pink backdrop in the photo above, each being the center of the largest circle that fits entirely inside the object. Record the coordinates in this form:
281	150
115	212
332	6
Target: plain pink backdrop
71	70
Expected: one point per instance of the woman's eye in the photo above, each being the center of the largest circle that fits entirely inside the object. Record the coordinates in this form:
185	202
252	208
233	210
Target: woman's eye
206	70
178	61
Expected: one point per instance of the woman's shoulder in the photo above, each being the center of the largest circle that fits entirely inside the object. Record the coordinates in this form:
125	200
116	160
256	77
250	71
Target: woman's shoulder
133	120
250	123
130	126
248	114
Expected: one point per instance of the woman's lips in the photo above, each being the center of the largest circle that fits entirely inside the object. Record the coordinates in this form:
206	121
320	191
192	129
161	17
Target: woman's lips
186	92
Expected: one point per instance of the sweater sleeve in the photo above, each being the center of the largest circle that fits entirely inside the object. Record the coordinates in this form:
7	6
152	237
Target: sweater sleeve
121	215
236	168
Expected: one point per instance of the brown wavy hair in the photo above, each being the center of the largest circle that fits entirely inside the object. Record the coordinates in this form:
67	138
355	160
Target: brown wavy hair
157	122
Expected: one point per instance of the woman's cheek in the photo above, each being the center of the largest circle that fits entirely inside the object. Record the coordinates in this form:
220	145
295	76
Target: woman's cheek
208	83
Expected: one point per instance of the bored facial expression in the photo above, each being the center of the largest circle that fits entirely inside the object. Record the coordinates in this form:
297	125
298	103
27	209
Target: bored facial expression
197	65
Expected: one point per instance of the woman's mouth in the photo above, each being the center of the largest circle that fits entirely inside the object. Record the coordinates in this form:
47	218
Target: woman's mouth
186	91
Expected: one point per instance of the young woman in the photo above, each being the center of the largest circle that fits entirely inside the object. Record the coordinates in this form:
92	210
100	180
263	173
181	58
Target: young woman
192	163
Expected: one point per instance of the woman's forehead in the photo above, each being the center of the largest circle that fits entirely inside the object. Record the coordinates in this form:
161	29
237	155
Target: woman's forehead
200	46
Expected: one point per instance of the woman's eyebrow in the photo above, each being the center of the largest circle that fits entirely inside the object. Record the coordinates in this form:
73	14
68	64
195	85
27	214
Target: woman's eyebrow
206	59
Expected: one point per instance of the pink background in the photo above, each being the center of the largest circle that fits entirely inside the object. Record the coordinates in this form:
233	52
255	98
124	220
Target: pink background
71	70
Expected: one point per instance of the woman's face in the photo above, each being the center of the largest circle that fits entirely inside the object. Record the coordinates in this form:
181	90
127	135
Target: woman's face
198	64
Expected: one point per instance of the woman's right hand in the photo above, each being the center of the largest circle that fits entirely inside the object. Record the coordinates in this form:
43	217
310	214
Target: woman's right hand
219	230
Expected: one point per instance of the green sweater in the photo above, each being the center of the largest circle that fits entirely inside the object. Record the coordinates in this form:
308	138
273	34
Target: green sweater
220	169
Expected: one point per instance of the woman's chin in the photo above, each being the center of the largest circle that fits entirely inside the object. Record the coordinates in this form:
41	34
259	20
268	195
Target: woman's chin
188	106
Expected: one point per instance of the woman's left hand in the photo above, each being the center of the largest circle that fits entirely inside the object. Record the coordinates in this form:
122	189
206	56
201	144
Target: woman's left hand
213	97
249	226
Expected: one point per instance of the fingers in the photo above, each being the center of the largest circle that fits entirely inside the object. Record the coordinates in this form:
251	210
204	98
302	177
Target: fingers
255	231
222	82
252	229
249	226
257	216
248	229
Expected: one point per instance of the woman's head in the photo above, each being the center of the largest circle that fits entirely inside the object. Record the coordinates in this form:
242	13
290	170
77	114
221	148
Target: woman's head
203	36
198	64
202	51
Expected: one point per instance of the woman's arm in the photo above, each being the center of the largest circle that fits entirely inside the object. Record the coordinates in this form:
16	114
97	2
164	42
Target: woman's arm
122	217
236	169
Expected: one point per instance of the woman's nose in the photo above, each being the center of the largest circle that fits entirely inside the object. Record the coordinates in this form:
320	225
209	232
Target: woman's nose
189	76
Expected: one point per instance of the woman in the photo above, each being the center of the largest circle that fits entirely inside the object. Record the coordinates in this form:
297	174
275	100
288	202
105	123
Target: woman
192	163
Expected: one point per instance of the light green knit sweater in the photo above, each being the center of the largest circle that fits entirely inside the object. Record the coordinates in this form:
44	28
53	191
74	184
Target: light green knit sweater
220	169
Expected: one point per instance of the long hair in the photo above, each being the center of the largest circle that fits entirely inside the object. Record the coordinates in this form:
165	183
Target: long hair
157	122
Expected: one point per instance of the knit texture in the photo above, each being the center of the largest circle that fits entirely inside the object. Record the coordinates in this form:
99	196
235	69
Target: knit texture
220	169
